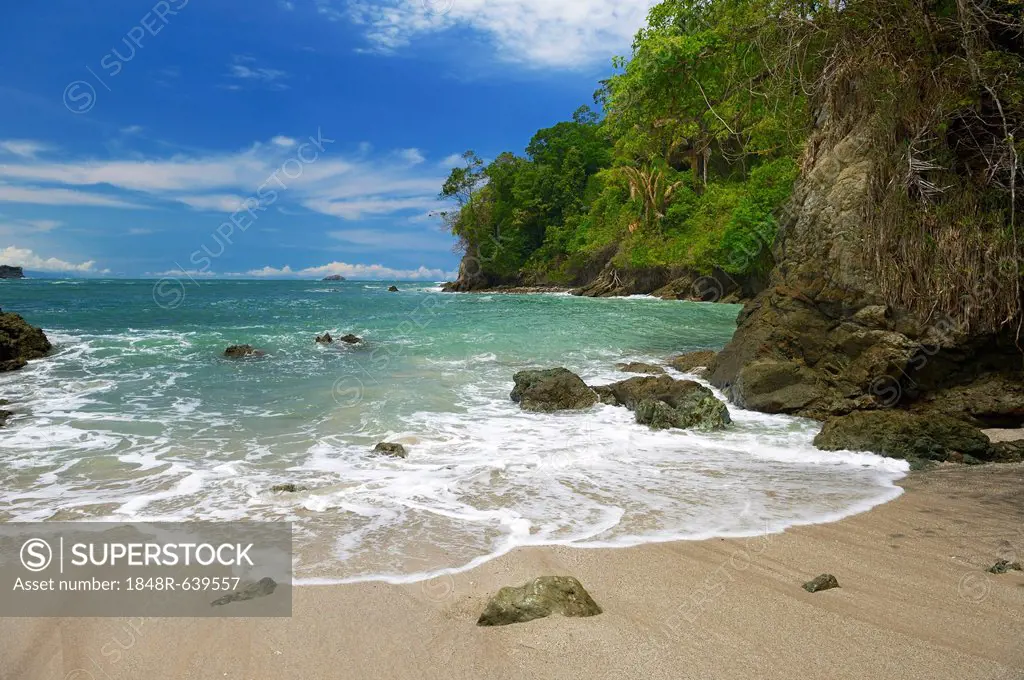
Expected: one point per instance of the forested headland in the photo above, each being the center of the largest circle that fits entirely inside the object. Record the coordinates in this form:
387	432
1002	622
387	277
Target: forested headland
686	164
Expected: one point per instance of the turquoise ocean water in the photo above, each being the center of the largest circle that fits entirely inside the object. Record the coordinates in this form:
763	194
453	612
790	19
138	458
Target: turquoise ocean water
136	416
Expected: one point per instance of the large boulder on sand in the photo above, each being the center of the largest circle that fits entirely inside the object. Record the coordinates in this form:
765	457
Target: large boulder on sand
540	597
900	434
20	342
663	402
555	389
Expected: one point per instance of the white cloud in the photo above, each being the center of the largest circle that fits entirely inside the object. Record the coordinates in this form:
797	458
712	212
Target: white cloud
540	33
43	196
226	203
354	209
26	148
453	161
23	257
411	156
244	68
393	240
356	271
21	227
131	130
325	180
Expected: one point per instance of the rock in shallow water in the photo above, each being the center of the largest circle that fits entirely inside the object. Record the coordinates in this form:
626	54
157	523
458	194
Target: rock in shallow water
900	434
540	597
823	582
20	342
242	351
637	367
350	339
288	488
692	361
393	450
324	339
555	389
664	402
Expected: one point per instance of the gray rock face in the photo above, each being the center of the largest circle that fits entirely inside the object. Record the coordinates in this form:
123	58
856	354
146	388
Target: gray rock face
555	389
393	450
638	367
540	597
821	340
900	434
662	402
822	582
20	342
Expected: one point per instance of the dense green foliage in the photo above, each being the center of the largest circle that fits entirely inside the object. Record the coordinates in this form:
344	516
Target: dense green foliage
703	129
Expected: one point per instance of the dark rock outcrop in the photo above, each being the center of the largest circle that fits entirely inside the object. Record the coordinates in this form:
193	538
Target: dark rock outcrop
663	402
638	367
243	351
9	272
598	276
334	277
389	449
822	582
392	289
4	415
324	339
692	362
555	389
1009	452
350	339
20	342
899	434
537	599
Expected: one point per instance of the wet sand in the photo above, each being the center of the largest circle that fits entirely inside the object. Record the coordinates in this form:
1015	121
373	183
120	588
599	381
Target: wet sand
915	602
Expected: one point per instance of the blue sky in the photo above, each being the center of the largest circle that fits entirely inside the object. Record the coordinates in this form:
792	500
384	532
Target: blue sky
276	137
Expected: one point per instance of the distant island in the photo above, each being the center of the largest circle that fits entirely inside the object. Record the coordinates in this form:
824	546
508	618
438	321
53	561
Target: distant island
9	272
334	277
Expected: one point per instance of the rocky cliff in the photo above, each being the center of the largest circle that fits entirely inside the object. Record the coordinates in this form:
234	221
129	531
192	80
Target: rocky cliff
822	340
9	272
601	278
